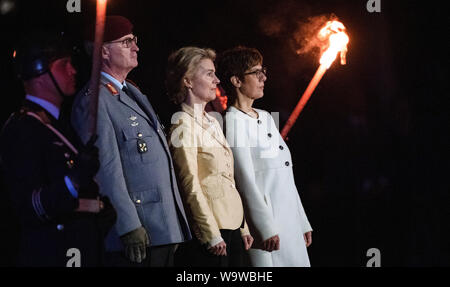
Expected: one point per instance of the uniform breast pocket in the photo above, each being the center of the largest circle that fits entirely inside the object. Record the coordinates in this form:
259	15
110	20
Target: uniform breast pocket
140	145
144	197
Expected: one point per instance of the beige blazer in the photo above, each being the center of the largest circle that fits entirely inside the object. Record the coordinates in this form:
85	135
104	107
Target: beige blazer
204	166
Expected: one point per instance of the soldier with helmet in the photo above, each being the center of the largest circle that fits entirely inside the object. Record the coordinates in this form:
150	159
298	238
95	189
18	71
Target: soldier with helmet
49	175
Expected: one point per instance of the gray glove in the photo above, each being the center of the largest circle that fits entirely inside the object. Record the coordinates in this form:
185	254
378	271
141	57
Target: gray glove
136	243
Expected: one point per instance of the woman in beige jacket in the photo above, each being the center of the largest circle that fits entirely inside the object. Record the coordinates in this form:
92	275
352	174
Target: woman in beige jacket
204	165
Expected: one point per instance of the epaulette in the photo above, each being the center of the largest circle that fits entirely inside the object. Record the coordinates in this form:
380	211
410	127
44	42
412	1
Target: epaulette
23	112
20	113
133	84
111	89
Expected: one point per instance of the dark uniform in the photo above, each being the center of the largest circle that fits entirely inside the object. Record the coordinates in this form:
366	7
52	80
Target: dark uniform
35	162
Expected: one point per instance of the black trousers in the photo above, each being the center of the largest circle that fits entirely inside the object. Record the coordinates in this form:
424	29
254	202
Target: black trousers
157	256
195	254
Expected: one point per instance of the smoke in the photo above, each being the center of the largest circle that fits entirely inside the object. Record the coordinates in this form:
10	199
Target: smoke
305	37
291	22
7	6
282	17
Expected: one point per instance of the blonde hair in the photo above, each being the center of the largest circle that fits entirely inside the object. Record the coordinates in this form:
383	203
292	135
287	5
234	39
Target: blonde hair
180	64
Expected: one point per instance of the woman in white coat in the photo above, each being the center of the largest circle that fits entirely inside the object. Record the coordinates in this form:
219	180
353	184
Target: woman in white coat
263	166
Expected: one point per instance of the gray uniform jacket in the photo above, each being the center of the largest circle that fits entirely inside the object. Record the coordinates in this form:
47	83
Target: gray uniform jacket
136	170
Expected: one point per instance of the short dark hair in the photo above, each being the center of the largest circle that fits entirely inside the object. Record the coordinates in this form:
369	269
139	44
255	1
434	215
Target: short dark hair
235	62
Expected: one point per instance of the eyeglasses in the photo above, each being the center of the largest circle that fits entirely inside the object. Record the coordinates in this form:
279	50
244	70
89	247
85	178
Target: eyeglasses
127	42
260	73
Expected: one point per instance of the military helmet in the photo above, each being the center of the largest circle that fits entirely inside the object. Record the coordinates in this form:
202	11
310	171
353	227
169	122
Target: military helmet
37	51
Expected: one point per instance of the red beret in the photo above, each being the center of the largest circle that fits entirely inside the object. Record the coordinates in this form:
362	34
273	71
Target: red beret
115	27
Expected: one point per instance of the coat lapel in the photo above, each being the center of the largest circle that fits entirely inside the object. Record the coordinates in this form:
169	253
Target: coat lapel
213	130
146	107
144	104
125	99
146	111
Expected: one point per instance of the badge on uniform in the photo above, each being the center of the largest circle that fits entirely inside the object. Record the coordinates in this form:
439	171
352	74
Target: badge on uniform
142	146
132	118
70	163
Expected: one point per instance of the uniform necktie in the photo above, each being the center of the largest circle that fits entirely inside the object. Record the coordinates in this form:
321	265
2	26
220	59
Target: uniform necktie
129	94
132	96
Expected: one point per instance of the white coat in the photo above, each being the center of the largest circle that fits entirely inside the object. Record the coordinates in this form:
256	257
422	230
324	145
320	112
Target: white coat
265	179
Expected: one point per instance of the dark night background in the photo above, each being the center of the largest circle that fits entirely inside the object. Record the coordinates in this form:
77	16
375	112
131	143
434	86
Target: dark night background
368	150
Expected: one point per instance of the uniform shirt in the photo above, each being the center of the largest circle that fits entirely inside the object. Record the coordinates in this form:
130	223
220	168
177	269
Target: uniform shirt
114	80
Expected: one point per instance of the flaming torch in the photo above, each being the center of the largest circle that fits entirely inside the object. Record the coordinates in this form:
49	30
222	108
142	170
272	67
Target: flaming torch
96	64
95	205
334	31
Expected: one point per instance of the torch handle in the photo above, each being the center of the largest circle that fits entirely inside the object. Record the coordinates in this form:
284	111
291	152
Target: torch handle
303	100
96	64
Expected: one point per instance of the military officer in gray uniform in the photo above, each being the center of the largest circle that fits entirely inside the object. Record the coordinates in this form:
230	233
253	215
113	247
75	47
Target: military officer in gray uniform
136	170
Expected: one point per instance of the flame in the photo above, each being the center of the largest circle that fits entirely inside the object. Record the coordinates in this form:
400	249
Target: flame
221	98
337	39
14	54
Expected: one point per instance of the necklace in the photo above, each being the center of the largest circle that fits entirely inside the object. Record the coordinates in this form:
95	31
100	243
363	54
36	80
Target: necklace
248	114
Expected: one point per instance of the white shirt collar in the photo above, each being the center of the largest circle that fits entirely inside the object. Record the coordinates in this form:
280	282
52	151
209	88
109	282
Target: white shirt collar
114	80
49	107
